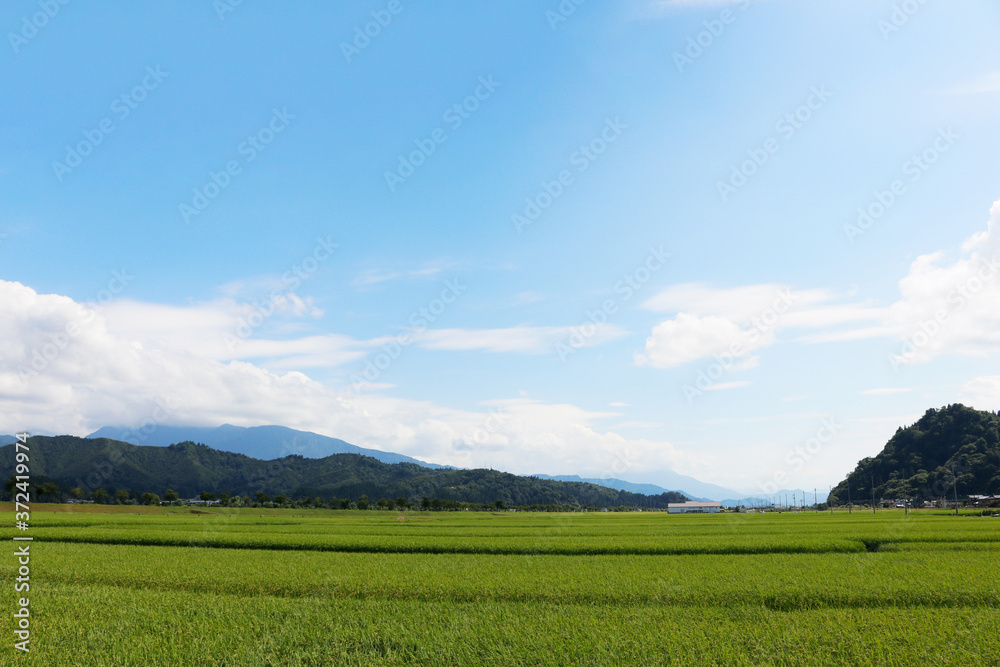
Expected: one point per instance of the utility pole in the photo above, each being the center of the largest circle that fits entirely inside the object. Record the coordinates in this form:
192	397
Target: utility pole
954	483
873	493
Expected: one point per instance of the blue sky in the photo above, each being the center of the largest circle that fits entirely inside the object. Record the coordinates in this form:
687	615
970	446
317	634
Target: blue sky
697	168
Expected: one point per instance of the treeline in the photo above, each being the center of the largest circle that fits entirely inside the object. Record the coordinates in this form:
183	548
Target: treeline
951	451
66	466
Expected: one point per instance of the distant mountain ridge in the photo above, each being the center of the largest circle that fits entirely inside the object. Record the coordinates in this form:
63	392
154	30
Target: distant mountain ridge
619	484
189	469
259	442
272	442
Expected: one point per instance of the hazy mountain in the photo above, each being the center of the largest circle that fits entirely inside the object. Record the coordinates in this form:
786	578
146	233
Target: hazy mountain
260	442
621	485
689	485
189	469
7	440
952	450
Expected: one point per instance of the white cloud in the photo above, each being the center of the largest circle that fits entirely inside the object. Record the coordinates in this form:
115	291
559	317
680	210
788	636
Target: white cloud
951	308
688	337
372	277
721	386
222	330
944	308
712	321
66	369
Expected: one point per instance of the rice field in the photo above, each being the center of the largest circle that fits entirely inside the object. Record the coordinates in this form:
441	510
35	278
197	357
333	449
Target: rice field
295	587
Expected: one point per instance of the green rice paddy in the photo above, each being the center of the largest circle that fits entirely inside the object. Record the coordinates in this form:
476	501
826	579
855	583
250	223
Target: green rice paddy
295	587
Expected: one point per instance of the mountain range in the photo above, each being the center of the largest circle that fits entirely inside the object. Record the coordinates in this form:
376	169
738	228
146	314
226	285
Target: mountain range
274	442
259	442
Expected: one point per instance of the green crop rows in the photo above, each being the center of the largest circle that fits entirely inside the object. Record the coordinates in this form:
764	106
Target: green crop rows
371	588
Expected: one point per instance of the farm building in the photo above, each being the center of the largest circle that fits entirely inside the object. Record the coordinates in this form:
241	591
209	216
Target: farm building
693	507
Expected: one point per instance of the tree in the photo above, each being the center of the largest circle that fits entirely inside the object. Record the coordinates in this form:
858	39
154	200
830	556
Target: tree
262	497
150	499
170	495
207	496
121	495
402	503
382	503
99	496
363	503
345	503
224	497
280	500
425	503
77	492
318	502
499	504
47	490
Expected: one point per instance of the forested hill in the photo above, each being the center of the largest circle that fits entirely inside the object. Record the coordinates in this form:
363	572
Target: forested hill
948	448
189	469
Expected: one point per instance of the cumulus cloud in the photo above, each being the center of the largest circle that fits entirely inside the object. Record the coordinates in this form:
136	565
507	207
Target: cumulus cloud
688	337
944	308
68	368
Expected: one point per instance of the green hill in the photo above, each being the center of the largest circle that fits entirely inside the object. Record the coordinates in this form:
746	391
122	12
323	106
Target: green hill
955	448
190	469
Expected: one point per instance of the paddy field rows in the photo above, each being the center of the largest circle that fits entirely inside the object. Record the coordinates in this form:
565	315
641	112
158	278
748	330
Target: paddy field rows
296	587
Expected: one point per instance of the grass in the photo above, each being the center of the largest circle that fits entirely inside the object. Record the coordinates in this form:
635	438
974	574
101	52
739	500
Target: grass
366	588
